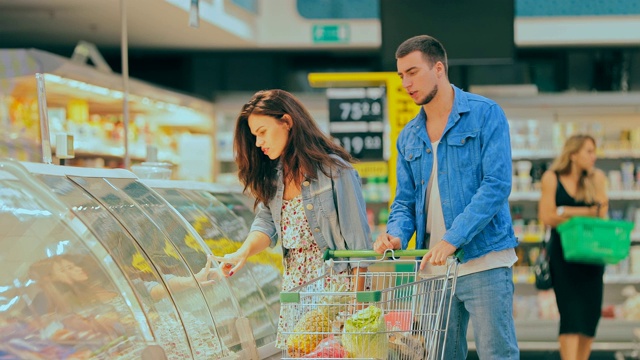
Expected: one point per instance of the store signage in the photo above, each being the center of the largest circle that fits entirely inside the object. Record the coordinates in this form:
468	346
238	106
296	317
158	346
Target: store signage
334	33
356	120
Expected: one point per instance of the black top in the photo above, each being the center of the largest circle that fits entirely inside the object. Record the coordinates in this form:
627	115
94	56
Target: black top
578	286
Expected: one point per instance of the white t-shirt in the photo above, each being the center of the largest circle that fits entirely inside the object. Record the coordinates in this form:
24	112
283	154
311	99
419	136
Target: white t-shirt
437	229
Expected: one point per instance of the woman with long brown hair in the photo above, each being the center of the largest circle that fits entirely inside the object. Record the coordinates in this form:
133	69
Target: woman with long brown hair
307	193
574	187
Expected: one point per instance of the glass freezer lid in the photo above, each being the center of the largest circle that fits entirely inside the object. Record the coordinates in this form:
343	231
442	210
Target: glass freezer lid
175	251
138	269
57	293
254	284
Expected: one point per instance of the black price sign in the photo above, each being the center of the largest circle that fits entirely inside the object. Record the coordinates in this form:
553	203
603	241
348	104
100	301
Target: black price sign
356	117
361	145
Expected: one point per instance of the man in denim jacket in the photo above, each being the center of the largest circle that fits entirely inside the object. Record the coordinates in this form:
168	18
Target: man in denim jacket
454	180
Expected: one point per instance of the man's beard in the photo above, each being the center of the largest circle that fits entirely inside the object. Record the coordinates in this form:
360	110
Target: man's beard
429	96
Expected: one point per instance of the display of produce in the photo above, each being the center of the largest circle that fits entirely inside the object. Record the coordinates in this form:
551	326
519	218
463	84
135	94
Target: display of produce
101	266
539	127
87	103
62	296
222	219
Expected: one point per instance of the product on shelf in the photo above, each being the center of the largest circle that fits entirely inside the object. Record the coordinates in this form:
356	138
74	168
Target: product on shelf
83	102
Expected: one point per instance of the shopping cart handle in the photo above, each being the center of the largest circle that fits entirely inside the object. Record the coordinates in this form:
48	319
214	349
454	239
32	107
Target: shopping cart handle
330	254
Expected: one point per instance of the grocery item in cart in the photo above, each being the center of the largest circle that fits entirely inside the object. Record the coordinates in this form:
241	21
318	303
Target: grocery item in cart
319	320
308	333
330	347
398	316
406	346
365	334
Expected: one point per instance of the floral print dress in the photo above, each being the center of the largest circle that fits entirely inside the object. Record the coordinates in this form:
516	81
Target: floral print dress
303	261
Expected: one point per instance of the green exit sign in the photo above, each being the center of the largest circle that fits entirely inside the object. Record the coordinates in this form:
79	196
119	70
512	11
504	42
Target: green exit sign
324	34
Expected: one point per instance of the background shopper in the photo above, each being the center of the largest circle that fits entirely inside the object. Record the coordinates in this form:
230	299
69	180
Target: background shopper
454	180
574	187
307	193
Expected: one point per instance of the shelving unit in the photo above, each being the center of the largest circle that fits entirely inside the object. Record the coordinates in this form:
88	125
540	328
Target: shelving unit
88	103
614	120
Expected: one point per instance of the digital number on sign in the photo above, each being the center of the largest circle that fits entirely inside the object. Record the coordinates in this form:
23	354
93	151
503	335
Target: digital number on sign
352	110
361	145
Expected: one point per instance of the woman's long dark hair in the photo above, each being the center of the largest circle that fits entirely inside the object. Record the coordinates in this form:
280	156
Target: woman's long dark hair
307	149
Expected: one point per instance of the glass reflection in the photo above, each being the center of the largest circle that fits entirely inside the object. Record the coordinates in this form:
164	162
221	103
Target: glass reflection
57	300
257	289
176	255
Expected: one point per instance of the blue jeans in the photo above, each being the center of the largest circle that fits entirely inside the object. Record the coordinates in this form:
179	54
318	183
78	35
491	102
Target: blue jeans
487	299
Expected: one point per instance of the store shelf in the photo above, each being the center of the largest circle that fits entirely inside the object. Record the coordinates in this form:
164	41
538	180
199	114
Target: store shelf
524	196
612	154
87	103
623	195
527	154
524	275
621	279
613	195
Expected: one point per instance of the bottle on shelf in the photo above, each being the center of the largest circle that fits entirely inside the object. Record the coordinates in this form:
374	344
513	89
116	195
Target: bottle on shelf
383	217
518	221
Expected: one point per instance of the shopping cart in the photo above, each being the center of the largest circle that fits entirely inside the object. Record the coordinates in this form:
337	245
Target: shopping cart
390	312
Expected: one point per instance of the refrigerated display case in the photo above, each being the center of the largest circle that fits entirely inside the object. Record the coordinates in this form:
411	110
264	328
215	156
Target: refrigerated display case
62	295
134	280
222	216
87	103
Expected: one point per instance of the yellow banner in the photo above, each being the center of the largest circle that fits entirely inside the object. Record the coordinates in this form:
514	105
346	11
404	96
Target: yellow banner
400	109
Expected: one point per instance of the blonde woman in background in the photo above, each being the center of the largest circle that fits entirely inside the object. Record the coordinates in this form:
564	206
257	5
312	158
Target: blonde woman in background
574	187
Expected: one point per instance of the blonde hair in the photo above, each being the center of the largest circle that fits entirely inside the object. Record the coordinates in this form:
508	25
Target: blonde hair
586	188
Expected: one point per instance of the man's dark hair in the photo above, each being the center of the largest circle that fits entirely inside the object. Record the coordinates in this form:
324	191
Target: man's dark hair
430	47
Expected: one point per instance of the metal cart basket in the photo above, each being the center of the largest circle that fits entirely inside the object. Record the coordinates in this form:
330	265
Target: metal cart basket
390	312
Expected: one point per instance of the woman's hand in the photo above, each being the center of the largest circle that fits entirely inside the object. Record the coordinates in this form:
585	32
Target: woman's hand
204	276
231	263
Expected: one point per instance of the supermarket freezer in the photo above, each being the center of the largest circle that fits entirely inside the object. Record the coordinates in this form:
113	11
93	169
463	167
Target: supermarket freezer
222	216
136	263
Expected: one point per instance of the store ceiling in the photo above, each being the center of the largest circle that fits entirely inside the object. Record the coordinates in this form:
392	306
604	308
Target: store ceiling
152	24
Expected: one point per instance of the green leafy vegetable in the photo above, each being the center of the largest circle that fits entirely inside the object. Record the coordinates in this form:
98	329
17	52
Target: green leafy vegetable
365	334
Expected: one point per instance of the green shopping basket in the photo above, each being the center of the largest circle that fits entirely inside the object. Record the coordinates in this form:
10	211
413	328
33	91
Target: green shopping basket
594	240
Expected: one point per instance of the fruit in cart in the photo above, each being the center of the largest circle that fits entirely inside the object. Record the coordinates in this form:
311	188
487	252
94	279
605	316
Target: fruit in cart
328	348
308	333
331	305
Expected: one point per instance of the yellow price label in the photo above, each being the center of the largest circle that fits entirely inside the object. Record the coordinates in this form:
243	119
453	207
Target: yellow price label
372	169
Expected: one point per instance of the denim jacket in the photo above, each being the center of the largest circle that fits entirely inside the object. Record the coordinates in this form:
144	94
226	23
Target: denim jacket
474	176
338	229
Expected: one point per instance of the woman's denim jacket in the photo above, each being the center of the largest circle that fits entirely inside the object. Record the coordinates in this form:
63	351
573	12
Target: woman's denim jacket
474	177
338	229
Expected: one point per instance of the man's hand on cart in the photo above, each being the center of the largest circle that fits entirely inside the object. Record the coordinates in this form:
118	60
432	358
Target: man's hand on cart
231	263
386	242
438	254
